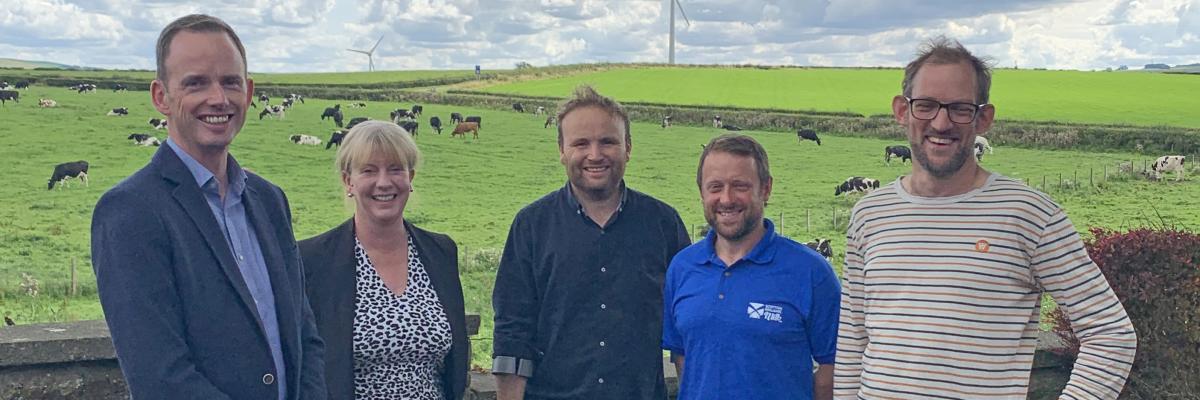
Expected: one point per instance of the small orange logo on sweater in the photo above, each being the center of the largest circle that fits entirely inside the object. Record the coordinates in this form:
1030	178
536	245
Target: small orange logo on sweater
982	246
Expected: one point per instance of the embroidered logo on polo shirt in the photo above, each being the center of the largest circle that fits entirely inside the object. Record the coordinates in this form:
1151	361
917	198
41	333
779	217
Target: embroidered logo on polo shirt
982	246
765	311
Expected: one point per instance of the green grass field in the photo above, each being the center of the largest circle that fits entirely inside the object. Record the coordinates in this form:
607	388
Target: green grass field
469	189
1068	96
320	78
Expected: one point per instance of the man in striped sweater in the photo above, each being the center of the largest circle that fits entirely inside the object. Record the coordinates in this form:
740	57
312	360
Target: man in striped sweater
945	267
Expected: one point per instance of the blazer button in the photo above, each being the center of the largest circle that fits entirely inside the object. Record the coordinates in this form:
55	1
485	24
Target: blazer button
268	379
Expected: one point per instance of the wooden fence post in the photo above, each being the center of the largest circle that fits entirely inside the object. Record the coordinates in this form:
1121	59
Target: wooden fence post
808	220
1091	182
1060	181
1043	183
74	286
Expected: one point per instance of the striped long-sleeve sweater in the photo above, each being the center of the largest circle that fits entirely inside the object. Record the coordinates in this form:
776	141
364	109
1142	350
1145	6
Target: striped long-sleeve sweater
941	297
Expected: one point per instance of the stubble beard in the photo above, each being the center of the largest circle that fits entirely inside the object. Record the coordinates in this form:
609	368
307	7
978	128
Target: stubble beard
947	169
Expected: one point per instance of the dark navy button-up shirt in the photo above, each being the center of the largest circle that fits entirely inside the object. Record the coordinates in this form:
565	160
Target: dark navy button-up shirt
243	242
583	302
750	330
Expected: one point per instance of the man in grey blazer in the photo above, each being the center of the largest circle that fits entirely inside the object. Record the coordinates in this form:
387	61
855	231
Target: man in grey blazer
196	264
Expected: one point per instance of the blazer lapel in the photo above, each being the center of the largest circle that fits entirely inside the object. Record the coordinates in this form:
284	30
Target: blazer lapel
277	265
192	200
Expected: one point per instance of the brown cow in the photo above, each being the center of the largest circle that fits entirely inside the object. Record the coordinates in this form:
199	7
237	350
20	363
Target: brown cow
463	128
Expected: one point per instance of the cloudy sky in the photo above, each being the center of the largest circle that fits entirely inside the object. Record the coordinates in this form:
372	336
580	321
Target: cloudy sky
312	35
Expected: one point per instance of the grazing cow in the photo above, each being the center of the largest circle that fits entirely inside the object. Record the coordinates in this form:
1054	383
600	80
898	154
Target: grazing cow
262	97
158	123
287	103
982	141
518	107
666	121
47	103
716	121
822	247
119	88
334	112
539	110
84	88
410	127
22	85
336	138
305	140
856	184
4	85
67	170
275	111
120	111
730	127
355	121
465	127
6	95
436	123
142	139
416	110
550	120
1168	163
358	105
979	151
901	152
475	119
807	134
293	97
401	114
456	118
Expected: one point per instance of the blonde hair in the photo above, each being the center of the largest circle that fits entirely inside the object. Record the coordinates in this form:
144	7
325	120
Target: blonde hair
369	138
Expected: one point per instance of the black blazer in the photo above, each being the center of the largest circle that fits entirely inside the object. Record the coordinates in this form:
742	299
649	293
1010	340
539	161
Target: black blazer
330	278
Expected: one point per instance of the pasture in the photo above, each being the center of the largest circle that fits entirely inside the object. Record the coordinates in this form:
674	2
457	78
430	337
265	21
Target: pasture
1066	96
467	188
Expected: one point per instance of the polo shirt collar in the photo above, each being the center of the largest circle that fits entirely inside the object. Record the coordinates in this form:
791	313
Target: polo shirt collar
762	253
237	181
576	206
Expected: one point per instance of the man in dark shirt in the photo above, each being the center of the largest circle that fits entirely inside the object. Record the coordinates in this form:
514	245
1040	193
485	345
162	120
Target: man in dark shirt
578	294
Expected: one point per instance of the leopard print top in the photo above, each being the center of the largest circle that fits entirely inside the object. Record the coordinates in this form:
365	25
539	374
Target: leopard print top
400	342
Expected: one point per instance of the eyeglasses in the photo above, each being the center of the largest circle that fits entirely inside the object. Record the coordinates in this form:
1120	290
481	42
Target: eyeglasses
959	113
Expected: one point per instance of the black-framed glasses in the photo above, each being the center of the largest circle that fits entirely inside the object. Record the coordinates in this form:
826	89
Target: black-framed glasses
959	113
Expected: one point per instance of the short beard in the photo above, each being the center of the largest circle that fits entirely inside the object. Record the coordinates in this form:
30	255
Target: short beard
945	171
744	229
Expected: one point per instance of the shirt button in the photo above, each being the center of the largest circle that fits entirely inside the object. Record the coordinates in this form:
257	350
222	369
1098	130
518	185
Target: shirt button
241	258
601	380
602	343
603	269
727	273
721	296
602	307
268	379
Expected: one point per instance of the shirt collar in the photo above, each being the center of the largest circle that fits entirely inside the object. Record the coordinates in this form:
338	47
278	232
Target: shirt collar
762	253
575	205
203	175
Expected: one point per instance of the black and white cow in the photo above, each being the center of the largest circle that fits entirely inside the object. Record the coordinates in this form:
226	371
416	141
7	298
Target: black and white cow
436	124
456	118
158	123
808	134
287	103
305	140
119	112
6	95
539	110
666	121
822	247
550	120
142	139
898	151
275	111
982	141
716	121
358	105
401	114
1168	164
856	184
22	85
410	127
117	87
67	170
355	121
730	127
336	139
263	98
979	151
518	107
416	110
334	112
293	97
84	88
5	86
475	119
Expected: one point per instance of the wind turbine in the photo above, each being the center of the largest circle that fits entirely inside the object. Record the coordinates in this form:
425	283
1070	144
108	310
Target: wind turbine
671	45
370	54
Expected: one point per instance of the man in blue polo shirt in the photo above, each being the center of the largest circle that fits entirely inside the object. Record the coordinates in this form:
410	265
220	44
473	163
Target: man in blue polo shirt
748	310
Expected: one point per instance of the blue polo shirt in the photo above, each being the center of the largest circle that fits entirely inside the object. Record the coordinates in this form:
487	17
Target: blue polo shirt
750	330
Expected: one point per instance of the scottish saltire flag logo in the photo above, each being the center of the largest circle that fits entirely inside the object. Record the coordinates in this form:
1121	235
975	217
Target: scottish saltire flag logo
765	311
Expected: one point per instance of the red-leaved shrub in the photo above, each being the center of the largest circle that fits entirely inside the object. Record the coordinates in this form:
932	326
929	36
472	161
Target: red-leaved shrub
1156	274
